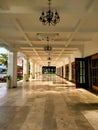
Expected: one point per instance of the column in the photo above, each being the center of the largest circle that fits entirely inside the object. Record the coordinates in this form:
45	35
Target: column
31	69
40	69
70	69
64	69
37	70
26	69
33	72
12	68
25	66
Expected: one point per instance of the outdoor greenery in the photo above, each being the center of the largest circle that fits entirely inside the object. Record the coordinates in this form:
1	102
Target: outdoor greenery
8	77
4	59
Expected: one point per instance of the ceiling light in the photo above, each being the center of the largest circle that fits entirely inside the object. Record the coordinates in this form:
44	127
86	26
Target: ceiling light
49	17
49	63
47	47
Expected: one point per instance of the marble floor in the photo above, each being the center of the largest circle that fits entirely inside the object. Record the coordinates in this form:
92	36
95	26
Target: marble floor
47	103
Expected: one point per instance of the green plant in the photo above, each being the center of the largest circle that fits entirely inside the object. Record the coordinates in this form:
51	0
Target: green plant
4	58
26	77
8	77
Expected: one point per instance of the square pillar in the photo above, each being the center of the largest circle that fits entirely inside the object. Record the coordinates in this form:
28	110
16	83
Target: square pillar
70	69
25	69
12	68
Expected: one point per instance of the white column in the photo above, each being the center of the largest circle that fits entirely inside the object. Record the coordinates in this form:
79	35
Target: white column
12	68
26	69
31	69
36	68
63	69
70	69
40	69
25	66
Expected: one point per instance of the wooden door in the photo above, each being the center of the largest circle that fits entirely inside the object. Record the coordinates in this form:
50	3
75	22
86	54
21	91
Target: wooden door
80	72
94	68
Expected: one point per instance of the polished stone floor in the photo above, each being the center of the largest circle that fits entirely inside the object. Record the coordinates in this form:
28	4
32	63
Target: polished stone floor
47	103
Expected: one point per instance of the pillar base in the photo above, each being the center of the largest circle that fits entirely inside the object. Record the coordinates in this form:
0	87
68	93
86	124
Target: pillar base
14	87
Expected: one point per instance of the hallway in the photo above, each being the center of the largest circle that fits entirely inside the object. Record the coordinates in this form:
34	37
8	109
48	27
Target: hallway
48	103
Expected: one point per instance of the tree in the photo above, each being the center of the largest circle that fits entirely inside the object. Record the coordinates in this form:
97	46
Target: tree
4	59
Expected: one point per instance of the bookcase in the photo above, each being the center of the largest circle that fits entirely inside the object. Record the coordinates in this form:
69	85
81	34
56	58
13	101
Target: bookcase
94	70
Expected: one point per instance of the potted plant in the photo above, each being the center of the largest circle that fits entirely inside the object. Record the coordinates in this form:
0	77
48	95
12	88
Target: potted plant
26	77
8	77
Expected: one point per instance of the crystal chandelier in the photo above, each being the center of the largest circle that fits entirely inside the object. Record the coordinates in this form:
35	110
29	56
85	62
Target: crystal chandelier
49	17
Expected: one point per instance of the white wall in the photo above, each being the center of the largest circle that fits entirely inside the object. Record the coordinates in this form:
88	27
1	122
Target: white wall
75	55
72	56
90	49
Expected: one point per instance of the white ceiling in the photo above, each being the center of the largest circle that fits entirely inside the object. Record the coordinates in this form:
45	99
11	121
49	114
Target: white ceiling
20	28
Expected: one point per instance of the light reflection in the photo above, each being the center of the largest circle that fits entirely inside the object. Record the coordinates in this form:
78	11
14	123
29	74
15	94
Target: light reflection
3	89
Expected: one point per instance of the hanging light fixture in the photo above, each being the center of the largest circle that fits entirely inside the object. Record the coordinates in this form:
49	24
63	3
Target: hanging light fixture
47	47
49	63
49	17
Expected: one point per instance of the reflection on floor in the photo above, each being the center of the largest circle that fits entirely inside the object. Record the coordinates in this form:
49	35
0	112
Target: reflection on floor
48	104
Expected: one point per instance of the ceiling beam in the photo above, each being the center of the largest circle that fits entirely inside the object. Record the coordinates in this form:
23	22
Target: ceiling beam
93	30
90	5
80	22
4	5
18	24
77	27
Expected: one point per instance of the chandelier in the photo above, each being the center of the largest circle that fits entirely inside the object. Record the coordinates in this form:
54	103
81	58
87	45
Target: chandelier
47	47
49	63
49	17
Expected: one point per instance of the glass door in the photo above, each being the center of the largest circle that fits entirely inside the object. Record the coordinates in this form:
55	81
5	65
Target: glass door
80	72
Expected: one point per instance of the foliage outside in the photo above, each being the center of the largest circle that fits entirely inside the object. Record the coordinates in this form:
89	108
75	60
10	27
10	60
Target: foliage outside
4	59
8	77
